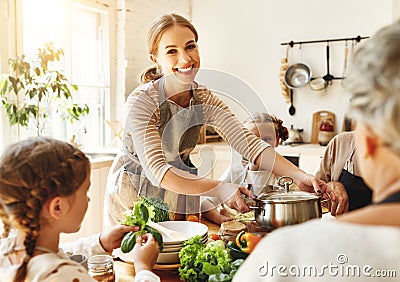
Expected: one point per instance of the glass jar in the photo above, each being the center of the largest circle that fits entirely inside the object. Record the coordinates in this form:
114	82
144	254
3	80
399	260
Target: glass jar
101	268
326	131
326	125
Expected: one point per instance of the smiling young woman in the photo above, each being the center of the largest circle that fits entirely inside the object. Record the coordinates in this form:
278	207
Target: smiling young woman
164	119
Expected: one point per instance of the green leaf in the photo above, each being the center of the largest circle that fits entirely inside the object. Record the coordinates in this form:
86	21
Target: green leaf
35	80
157	236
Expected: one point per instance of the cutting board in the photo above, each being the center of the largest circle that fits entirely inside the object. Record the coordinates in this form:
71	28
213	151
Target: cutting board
316	121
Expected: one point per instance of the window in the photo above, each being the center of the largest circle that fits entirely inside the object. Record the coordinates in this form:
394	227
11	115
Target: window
81	30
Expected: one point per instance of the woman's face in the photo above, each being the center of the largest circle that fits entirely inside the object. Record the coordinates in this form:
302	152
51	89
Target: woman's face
178	54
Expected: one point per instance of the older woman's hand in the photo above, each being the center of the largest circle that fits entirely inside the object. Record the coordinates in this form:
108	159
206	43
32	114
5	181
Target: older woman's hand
341	204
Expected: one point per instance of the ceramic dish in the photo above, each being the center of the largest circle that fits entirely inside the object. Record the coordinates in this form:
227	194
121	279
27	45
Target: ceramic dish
163	258
166	266
188	227
170	253
168	258
172	248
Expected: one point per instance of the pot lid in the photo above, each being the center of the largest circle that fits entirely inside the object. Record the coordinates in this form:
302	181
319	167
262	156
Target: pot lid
286	197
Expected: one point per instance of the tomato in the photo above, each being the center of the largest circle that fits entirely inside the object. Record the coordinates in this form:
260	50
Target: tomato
192	217
214	236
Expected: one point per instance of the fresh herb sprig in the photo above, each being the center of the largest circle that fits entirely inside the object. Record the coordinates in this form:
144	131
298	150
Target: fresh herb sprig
139	216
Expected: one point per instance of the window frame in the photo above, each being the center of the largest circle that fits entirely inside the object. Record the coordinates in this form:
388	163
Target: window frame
13	45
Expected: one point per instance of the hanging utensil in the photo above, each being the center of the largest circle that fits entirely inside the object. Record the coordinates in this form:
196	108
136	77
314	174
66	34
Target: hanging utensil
346	52
328	77
292	109
299	74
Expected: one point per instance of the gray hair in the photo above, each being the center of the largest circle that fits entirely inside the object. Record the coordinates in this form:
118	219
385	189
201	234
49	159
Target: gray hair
374	81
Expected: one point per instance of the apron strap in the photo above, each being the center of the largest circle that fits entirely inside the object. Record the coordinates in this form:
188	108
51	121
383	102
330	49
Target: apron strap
349	165
393	198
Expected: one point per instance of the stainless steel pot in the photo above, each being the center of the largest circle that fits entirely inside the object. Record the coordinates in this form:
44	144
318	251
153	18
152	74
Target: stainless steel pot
297	75
283	207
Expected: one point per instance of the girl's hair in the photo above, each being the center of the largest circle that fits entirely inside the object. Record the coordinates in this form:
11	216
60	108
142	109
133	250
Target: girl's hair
32	172
374	81
280	130
155	33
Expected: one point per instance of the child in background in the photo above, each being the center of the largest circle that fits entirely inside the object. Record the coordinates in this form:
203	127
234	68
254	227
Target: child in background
43	192
268	128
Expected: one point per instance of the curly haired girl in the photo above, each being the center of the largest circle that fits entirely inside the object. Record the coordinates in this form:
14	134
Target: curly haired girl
43	192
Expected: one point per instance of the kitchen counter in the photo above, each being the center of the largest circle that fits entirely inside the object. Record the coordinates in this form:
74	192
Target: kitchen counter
297	149
101	162
216	157
308	156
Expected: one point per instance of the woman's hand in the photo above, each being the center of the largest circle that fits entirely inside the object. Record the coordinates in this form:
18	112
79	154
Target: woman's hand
111	239
341	204
146	252
217	215
236	201
310	183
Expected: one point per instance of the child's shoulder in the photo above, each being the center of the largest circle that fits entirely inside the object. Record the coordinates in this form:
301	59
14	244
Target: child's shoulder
52	267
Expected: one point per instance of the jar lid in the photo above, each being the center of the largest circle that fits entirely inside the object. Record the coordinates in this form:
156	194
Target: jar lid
100	260
287	197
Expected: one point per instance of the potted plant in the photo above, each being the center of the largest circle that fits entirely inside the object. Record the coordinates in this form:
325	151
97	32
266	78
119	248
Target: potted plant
36	89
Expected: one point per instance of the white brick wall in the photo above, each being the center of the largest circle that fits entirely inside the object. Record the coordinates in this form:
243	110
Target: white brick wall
137	16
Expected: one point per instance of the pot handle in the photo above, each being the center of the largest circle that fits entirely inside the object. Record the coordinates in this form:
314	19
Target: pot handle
285	182
325	200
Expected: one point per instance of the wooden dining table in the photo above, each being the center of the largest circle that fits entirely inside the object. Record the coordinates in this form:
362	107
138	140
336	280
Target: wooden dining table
125	271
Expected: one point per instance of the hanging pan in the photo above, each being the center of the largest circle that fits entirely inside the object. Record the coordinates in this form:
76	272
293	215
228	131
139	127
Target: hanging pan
298	75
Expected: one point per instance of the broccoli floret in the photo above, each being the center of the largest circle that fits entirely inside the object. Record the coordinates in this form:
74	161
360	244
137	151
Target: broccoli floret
160	209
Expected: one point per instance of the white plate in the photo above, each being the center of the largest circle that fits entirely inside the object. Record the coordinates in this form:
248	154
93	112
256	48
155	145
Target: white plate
163	258
171	256
168	258
188	227
171	248
204	238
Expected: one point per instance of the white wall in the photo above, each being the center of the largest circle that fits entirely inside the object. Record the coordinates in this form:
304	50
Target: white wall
243	38
139	14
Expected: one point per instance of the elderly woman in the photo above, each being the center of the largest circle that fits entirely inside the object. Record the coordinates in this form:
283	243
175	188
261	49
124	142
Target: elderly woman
365	242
